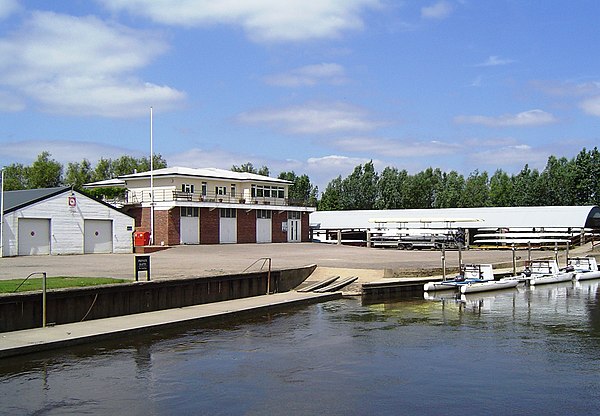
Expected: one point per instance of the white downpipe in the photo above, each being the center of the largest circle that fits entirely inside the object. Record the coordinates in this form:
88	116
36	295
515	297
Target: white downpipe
151	181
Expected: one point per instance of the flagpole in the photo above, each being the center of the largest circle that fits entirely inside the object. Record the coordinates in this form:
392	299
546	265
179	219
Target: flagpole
151	181
2	214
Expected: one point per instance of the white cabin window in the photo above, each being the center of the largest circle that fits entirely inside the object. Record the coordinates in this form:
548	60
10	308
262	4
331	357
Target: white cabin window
204	188
263	214
189	212
188	188
233	190
294	215
228	212
220	190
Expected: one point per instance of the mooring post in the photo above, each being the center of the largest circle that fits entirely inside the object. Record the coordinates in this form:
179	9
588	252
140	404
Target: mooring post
529	251
269	278
44	300
514	258
556	253
443	262
567	260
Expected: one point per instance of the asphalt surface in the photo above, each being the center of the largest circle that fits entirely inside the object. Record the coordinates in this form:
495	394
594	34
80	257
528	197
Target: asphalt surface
212	260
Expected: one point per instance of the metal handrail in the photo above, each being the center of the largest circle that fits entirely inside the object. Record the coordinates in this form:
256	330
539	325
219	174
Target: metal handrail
43	294
266	259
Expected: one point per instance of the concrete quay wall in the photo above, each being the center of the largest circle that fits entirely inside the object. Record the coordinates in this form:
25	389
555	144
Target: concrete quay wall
24	310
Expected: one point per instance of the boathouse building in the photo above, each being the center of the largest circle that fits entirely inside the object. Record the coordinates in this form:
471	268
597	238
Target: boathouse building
213	206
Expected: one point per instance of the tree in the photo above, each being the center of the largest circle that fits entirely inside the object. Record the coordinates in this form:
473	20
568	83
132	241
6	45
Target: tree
476	193
359	189
78	174
501	189
44	172
389	188
331	197
450	193
301	189
103	170
15	177
420	190
249	167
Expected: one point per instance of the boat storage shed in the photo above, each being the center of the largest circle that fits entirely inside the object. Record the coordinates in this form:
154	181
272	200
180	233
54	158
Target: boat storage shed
488	222
62	221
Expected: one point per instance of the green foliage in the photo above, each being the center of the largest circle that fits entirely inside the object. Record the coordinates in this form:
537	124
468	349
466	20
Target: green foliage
107	193
562	182
249	167
45	172
301	190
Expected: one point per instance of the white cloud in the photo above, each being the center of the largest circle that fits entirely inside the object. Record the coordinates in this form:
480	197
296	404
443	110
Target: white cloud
440	10
495	61
567	89
83	66
309	75
313	118
396	148
8	7
262	20
592	106
510	157
524	119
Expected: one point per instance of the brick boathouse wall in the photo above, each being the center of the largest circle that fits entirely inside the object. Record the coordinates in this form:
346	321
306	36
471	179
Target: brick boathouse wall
167	225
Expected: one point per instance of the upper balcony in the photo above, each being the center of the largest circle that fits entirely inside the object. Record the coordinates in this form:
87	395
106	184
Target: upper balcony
210	199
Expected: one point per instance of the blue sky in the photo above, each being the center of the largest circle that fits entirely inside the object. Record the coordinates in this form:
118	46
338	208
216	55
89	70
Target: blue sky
311	86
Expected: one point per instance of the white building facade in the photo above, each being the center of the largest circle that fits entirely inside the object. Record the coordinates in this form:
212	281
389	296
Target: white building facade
59	221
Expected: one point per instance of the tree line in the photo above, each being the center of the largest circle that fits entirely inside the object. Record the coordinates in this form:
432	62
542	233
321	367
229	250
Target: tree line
563	181
46	172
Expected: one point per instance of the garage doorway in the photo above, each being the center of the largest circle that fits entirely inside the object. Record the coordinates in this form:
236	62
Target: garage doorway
97	236
34	236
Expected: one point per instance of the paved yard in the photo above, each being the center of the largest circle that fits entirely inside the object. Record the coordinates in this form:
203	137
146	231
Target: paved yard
207	260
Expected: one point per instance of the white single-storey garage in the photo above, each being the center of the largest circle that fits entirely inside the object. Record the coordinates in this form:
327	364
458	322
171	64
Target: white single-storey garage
62	221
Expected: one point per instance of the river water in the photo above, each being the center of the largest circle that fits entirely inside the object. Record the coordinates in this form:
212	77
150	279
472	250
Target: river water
517	352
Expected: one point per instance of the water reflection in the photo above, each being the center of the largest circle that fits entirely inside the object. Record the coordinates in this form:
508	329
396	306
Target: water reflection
519	351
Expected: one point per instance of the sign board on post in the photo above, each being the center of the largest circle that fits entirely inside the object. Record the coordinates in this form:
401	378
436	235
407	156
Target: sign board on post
142	264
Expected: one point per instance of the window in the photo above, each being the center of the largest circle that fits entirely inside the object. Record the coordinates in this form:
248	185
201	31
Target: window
228	212
204	188
263	214
233	190
220	190
189	212
294	215
266	191
187	188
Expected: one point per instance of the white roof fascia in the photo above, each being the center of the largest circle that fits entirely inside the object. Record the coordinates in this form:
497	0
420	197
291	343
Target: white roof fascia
208	173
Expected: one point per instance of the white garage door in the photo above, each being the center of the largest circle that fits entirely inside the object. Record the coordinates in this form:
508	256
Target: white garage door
228	230
98	236
34	236
189	227
263	230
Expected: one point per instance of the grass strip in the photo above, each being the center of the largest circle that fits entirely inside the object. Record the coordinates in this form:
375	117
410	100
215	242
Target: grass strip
57	282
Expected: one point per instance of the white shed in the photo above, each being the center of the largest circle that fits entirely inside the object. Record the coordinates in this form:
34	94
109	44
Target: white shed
62	221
